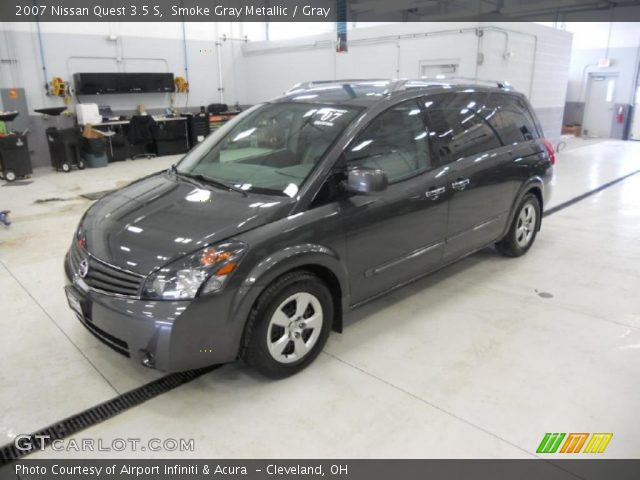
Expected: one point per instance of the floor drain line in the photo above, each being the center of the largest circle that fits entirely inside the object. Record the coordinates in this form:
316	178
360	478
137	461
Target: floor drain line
579	198
101	412
96	195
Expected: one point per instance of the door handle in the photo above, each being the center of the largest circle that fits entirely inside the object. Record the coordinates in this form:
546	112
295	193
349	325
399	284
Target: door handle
460	184
434	193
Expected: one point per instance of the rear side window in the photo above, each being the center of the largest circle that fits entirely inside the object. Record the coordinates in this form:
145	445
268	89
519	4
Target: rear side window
394	142
458	125
512	120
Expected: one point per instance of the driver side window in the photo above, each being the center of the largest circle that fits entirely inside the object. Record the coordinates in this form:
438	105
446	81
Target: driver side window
395	142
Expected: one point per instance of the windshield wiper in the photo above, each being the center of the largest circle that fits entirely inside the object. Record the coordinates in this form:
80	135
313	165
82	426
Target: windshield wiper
211	181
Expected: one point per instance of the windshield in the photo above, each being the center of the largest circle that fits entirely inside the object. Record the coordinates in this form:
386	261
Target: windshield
272	149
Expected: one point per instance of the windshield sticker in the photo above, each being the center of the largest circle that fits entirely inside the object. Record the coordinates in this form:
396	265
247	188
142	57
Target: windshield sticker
291	190
328	116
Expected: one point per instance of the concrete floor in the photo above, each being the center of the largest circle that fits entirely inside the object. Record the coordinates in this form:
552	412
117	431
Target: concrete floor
478	360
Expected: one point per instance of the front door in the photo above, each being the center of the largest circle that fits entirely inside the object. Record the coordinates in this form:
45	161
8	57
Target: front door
398	234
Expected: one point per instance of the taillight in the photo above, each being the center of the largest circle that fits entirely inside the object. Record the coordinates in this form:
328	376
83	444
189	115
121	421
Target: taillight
549	146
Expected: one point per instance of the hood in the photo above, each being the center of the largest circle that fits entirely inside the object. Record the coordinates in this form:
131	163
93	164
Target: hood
155	220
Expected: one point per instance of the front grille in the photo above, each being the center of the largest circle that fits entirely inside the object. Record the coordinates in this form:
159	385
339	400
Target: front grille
104	277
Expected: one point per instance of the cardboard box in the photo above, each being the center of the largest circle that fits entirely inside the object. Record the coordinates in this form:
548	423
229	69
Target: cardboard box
575	130
89	132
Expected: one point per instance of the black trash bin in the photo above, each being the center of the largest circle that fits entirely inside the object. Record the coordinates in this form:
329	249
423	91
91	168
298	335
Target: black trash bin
64	148
94	151
14	157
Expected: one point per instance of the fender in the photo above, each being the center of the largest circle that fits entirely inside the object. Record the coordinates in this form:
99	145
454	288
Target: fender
291	257
532	182
282	261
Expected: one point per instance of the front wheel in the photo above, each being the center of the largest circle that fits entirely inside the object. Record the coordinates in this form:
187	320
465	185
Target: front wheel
524	228
289	325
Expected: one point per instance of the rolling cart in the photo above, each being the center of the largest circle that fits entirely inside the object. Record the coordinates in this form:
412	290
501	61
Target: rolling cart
15	161
64	143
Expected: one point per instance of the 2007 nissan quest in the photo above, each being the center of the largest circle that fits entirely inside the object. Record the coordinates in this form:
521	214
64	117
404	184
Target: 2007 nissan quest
301	208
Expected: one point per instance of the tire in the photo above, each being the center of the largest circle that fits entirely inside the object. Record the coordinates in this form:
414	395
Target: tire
81	165
65	167
279	339
10	175
524	228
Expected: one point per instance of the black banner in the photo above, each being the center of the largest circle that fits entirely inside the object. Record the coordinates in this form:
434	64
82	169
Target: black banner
327	469
314	10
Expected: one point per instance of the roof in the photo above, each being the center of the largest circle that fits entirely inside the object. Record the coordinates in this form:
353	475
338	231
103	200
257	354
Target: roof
367	92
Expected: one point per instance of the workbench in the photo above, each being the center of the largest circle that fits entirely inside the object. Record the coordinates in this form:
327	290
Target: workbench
172	138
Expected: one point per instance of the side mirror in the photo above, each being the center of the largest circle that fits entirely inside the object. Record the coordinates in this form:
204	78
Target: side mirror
366	181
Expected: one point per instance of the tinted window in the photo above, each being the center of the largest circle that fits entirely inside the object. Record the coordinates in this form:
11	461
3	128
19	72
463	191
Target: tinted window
512	119
395	142
458	125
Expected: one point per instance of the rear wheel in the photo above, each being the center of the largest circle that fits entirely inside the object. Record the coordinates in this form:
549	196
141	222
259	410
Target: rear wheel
524	228
81	165
289	325
65	167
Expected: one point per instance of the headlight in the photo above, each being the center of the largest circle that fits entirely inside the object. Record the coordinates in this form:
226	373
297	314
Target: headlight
204	271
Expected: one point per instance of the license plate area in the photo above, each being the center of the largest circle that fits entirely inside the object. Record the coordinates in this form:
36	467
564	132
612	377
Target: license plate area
76	304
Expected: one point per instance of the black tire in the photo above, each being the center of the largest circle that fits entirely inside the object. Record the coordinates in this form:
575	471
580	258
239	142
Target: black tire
65	167
261	325
10	175
81	165
520	237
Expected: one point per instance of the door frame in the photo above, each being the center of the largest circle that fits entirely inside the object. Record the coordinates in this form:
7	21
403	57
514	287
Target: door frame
590	77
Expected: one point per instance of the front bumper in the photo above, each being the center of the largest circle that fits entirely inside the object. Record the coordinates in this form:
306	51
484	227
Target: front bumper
166	335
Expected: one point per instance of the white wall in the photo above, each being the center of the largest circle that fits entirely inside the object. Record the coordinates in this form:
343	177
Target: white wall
258	70
397	50
618	41
139	47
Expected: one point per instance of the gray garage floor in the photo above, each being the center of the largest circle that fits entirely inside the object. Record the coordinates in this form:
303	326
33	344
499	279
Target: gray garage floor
478	360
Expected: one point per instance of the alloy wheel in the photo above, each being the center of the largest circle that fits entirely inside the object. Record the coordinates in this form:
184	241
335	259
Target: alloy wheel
526	225
294	327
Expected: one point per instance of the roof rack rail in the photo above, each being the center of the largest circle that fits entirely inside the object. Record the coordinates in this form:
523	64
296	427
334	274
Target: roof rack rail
444	79
313	83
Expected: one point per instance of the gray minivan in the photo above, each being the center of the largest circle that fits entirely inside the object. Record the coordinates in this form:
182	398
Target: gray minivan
302	208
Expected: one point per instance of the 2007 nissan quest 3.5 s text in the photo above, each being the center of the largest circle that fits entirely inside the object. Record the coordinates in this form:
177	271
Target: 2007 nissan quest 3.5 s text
301	208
